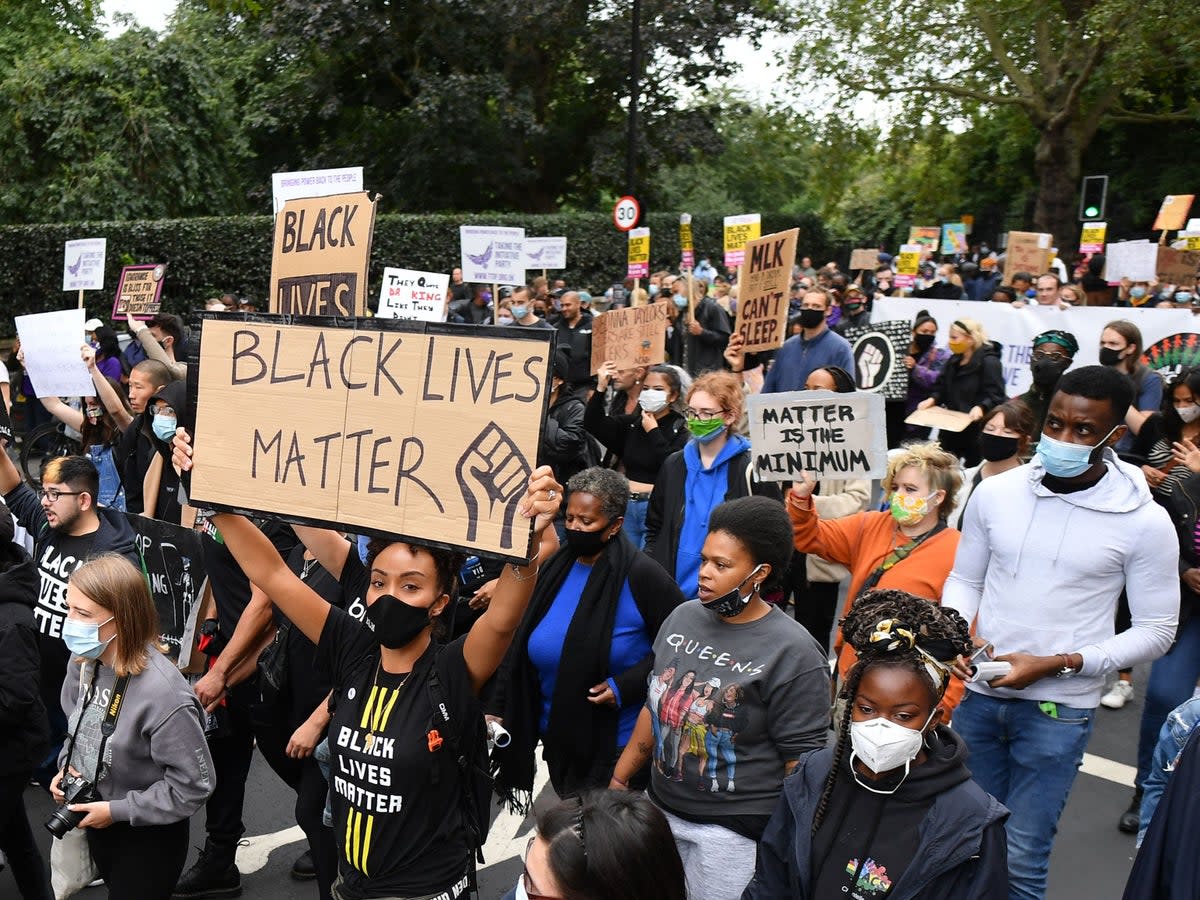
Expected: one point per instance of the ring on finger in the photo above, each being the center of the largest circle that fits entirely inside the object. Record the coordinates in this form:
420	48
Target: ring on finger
551	494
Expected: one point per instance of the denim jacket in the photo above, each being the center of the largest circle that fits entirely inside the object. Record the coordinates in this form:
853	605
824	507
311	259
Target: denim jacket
1174	734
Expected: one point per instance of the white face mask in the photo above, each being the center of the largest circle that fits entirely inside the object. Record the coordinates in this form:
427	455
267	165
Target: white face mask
1189	414
884	745
654	399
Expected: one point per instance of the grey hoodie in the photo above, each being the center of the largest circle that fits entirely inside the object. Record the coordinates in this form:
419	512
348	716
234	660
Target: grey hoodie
1043	571
157	768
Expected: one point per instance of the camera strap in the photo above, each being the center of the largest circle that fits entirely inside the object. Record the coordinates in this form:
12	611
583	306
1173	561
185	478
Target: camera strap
109	725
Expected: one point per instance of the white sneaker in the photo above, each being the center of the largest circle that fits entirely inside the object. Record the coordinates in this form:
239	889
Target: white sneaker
715	787
729	787
1118	695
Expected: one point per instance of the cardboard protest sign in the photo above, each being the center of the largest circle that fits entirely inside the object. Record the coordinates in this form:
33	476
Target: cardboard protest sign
388	427
406	294
1091	238
908	263
287	186
941	418
83	264
827	434
544	253
763	290
139	292
687	250
630	337
51	342
738	230
492	254
925	235
173	560
863	259
639	253
1027	251
1135	260
1173	212
954	238
321	252
1177	267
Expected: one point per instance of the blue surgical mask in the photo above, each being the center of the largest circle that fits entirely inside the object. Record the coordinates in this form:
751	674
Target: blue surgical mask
1066	460
652	290
83	638
164	427
1183	296
520	312
1137	292
680	301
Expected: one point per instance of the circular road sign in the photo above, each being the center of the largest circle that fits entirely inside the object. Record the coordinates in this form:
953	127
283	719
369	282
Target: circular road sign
626	213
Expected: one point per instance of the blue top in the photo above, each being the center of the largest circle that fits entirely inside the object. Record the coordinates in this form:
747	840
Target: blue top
706	490
630	644
797	358
1149	399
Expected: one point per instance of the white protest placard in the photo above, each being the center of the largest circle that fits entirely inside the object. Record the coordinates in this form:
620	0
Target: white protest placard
545	252
83	264
406	294
492	254
287	186
51	342
828	434
1135	260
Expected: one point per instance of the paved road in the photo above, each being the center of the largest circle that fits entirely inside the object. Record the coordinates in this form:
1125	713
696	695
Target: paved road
1091	858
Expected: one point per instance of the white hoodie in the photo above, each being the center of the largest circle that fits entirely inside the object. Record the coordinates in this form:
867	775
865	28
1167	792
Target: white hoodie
1042	572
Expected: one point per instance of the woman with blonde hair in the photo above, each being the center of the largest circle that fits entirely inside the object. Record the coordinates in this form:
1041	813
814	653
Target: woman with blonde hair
972	382
713	467
908	548
135	766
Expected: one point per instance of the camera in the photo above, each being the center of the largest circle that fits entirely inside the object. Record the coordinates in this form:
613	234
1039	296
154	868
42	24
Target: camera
76	789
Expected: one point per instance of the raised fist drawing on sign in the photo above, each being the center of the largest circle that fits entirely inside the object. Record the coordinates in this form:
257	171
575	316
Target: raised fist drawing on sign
492	469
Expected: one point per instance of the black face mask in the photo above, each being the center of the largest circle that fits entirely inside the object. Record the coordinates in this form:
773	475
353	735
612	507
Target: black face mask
394	622
1046	372
811	318
1109	356
585	543
732	603
923	341
996	447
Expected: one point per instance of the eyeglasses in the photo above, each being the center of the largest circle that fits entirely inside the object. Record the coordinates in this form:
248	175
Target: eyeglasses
704	413
1055	357
52	494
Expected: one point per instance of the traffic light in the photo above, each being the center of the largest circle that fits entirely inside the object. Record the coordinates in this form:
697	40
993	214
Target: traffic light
1092	197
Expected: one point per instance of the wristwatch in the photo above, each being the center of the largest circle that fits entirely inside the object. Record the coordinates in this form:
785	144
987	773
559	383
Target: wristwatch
1067	669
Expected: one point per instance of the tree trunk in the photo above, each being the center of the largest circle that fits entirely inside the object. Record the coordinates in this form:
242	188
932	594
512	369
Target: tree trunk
1057	163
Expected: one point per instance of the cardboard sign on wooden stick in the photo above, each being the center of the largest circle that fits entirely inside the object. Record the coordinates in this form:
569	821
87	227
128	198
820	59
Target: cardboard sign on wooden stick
763	290
1173	212
863	259
321	252
411	430
631	337
1027	251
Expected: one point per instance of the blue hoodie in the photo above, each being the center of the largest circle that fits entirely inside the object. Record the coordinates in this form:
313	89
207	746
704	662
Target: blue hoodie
706	490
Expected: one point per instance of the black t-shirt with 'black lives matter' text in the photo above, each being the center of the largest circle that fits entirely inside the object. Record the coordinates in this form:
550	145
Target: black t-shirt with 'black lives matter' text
397	806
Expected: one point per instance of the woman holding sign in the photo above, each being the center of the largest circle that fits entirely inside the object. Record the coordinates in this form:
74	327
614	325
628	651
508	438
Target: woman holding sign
407	732
908	548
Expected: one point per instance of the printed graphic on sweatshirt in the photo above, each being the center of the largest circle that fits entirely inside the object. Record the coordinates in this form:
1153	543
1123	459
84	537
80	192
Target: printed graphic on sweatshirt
871	878
54	568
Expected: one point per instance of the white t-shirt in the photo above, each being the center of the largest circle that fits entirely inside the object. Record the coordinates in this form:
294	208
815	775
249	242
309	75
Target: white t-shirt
3	373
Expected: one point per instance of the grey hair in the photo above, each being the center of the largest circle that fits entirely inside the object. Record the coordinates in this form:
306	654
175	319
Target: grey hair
609	487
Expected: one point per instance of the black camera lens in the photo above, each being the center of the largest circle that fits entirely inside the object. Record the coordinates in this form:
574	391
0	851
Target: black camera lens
63	820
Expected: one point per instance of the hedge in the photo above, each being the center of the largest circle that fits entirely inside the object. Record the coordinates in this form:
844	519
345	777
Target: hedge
212	255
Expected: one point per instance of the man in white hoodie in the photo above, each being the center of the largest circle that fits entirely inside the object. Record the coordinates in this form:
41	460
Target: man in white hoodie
1045	551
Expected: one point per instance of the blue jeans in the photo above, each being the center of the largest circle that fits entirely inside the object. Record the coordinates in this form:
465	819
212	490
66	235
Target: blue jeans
1027	760
635	522
720	743
1172	680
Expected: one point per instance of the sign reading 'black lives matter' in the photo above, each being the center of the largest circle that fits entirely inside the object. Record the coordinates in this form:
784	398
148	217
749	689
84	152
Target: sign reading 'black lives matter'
401	428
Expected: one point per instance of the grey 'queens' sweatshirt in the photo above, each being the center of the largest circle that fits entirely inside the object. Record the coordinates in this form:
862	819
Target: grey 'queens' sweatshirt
157	768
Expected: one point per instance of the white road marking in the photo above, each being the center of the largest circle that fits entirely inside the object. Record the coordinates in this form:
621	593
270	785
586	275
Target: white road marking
252	853
1109	770
505	840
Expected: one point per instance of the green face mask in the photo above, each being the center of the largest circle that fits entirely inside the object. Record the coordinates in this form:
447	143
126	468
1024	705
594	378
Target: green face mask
705	430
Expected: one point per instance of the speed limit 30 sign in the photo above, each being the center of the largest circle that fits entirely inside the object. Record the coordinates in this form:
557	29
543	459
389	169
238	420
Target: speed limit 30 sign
626	213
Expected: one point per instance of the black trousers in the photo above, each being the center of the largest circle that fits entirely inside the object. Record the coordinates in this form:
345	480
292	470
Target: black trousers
232	753
816	609
16	840
142	863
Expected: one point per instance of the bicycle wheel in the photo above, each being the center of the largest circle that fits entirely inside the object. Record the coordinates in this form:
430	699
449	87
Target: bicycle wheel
49	435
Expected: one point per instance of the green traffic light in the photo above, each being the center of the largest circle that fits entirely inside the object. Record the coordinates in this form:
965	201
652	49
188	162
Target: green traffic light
1091	211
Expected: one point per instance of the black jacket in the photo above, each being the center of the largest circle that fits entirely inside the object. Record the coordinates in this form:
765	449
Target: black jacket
24	730
642	452
564	438
962	853
1184	507
979	382
703	352
664	515
578	341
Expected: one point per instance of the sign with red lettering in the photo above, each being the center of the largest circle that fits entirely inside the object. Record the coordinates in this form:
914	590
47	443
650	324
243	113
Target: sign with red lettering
321	252
763	290
406	294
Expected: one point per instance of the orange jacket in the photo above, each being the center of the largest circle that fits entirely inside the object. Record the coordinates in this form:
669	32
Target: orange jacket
861	542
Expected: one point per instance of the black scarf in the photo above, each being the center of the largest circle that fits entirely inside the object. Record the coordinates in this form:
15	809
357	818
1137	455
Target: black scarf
577	729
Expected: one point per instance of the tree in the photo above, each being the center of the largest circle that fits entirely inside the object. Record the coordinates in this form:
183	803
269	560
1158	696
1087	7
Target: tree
1069	67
